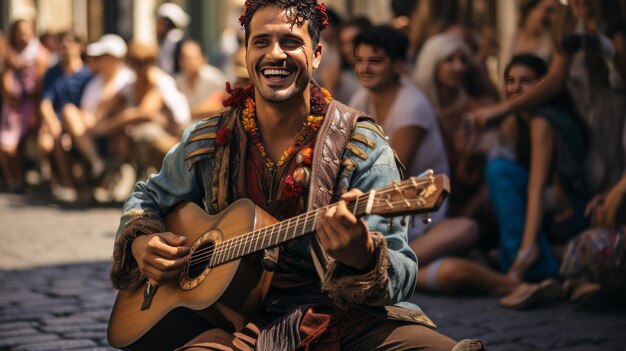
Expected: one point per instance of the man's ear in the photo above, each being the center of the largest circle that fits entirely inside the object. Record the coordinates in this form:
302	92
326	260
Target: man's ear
317	55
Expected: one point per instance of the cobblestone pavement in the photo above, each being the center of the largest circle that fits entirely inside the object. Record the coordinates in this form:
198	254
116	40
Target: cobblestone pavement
54	292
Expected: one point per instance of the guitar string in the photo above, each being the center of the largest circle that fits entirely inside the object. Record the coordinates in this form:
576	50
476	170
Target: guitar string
380	192
250	237
273	226
225	248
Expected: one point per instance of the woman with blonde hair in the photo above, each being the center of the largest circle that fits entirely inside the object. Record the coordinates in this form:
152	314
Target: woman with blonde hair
441	74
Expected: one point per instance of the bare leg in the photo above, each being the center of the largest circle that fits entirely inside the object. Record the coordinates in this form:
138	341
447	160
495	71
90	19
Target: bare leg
49	146
12	168
7	170
450	236
455	275
77	128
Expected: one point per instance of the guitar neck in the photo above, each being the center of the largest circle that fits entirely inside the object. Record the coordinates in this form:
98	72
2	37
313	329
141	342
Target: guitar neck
415	195
279	233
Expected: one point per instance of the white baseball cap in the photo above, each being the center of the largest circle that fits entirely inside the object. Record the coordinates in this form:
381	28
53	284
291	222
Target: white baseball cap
108	44
174	13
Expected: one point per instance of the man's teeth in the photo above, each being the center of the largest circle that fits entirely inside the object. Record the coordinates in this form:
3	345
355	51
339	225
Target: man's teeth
276	72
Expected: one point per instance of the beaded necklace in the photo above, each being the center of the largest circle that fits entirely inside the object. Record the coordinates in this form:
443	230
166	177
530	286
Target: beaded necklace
320	98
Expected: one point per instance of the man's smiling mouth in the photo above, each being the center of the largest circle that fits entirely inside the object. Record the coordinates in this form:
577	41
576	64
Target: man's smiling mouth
275	72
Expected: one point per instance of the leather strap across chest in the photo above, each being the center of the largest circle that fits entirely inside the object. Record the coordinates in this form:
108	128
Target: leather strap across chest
332	139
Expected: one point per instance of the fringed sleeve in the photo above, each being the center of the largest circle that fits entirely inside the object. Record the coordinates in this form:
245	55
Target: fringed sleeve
366	289
125	273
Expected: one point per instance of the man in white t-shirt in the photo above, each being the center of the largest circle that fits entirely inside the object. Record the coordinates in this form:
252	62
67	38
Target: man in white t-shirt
106	58
202	84
398	106
408	118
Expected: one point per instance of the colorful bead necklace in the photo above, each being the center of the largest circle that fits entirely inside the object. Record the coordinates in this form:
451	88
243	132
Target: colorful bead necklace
320	98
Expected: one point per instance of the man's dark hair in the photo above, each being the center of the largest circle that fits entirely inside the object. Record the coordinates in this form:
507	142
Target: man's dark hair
298	11
71	35
333	17
392	42
360	22
403	7
536	64
168	22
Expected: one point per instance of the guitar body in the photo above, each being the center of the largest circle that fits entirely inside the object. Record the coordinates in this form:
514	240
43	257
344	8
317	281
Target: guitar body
203	298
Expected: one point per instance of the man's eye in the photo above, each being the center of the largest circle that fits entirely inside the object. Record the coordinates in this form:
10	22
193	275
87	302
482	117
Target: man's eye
261	42
292	43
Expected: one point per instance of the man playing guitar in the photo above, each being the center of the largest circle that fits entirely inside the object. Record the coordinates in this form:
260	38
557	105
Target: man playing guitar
285	144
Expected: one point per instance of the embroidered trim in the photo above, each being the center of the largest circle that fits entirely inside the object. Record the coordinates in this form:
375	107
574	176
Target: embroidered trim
210	135
363	139
366	289
207	124
204	150
348	164
357	151
373	127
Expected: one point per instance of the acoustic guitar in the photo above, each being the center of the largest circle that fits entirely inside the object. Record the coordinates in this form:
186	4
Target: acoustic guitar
224	281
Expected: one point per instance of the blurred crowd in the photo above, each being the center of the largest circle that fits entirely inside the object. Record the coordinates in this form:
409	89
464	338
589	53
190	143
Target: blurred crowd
535	153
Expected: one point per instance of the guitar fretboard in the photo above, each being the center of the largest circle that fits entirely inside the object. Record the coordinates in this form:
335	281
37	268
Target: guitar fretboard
276	234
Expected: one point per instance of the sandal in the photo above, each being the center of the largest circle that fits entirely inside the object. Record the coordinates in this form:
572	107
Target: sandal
527	295
469	345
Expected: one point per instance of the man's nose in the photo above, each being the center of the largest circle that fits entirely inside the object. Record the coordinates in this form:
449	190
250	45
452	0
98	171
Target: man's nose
361	67
276	53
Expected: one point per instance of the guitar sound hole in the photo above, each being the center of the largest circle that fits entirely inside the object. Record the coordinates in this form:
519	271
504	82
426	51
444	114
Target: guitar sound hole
199	260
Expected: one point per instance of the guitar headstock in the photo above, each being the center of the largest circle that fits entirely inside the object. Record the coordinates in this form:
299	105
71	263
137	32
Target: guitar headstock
415	195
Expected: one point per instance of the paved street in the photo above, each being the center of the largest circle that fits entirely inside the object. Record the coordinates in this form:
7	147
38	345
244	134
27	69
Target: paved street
54	292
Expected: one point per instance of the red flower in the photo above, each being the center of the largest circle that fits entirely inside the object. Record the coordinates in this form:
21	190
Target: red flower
318	102
237	95
246	6
321	13
222	137
291	188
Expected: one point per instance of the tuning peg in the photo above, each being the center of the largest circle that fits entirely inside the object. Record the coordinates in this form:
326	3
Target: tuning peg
427	173
426	219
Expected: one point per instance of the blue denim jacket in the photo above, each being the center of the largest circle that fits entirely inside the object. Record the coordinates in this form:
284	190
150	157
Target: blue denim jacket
186	175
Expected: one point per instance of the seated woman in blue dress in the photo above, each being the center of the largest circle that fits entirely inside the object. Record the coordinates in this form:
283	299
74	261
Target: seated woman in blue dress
538	194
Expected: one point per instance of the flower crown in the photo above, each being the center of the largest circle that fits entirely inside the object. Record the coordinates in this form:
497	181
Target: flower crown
320	11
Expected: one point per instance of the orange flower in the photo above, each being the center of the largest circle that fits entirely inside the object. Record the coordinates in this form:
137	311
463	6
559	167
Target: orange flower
305	156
